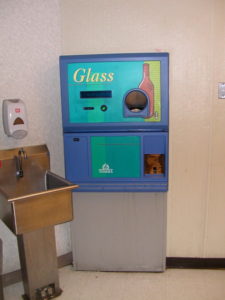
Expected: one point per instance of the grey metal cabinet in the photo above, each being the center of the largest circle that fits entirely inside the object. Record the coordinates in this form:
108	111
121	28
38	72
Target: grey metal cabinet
119	231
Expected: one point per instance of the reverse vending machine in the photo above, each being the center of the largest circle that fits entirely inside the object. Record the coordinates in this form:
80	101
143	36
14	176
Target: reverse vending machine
115	121
115	126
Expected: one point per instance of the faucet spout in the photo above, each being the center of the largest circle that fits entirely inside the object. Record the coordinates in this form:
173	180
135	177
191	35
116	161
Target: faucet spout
19	162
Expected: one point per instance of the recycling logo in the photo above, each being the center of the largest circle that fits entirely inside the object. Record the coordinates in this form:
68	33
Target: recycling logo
105	169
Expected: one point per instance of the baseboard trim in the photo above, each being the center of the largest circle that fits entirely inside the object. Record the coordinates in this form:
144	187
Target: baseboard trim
171	262
195	263
15	276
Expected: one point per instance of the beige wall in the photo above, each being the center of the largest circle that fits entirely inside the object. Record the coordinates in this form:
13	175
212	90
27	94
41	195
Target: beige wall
193	32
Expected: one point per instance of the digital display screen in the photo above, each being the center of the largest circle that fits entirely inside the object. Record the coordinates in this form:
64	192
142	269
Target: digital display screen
95	94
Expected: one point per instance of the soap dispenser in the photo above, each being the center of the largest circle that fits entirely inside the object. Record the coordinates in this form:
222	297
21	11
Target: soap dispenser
14	118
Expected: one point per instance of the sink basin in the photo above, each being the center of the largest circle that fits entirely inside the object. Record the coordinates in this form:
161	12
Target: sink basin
37	199
47	184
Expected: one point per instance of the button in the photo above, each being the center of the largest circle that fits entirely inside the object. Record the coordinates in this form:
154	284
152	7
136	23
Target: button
104	108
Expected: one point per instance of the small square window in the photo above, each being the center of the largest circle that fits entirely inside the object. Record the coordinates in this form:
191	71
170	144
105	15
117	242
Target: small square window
154	164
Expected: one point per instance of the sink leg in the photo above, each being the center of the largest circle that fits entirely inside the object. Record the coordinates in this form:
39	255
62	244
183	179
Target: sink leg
38	258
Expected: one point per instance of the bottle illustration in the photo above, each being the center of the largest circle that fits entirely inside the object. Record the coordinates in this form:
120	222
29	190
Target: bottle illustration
147	86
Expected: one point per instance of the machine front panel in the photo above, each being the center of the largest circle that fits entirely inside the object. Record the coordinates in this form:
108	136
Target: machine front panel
117	162
98	85
114	92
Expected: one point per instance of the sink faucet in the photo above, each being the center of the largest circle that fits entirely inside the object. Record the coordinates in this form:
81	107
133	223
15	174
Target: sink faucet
19	159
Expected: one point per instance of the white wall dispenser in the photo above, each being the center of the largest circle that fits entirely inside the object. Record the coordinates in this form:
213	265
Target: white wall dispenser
14	118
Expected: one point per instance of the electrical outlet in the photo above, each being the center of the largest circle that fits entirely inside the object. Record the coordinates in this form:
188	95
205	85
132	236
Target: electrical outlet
221	90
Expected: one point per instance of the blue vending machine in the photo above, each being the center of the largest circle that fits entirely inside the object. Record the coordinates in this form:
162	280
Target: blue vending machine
115	123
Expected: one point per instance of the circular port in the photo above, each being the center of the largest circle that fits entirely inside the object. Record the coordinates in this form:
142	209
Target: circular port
136	100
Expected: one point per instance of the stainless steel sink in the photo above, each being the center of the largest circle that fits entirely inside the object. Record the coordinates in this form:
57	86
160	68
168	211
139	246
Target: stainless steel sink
32	201
40	185
32	197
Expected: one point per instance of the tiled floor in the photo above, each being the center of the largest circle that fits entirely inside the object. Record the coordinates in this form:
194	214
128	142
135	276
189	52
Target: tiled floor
174	284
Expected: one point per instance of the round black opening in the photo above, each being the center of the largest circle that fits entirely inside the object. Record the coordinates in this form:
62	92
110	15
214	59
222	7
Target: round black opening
136	101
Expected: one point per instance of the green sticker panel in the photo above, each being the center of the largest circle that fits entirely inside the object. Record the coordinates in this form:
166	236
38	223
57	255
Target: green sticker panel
115	156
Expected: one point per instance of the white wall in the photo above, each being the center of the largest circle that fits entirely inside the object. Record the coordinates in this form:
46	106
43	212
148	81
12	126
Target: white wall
193	32
30	45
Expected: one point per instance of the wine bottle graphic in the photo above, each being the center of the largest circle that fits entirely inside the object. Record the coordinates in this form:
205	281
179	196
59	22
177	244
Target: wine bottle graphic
147	86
